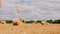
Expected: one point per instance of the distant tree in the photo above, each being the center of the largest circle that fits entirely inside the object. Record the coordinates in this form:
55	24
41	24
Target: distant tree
30	21
50	21
38	21
8	21
57	21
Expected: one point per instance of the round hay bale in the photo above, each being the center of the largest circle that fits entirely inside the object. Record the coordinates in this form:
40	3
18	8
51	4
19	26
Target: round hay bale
15	23
19	21
48	23
3	22
43	22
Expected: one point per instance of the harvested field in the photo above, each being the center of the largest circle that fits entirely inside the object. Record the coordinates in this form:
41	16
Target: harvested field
30	29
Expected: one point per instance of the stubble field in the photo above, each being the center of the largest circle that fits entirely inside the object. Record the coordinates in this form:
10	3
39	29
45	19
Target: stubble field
30	29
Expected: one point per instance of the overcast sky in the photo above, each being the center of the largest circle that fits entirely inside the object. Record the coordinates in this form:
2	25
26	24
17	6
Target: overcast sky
31	9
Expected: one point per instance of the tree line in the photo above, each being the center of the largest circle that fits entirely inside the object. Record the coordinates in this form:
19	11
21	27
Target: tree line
37	21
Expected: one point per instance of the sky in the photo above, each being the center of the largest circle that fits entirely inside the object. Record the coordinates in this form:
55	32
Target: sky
31	9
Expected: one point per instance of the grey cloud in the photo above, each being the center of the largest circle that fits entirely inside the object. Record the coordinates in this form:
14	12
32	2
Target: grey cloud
33	9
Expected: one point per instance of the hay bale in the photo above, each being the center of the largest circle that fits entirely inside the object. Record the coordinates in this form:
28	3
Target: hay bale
47	23
18	21
43	22
3	22
14	22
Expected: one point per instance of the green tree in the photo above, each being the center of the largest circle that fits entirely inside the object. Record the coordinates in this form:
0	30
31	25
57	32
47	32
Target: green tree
38	21
57	21
50	21
8	21
30	21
